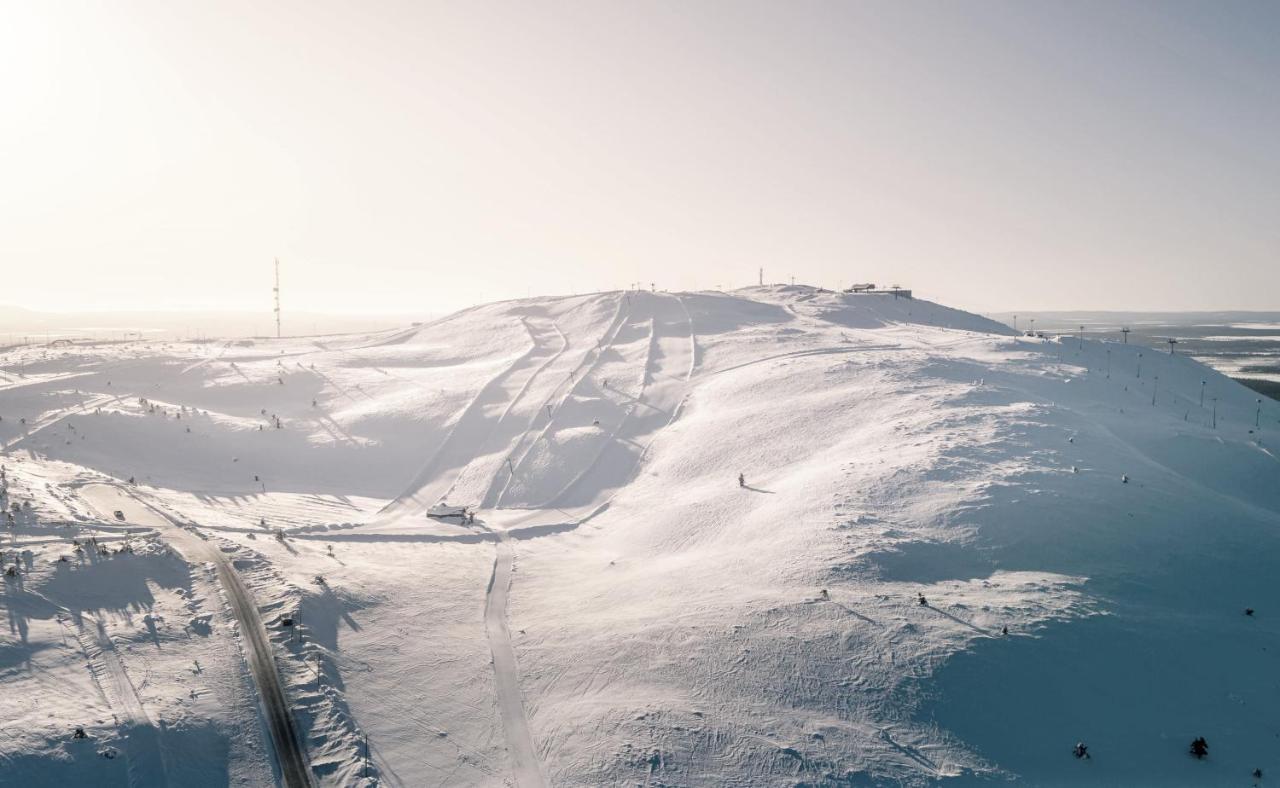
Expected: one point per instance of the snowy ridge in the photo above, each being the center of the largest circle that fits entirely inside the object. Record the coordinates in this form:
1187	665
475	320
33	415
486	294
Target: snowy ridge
1085	534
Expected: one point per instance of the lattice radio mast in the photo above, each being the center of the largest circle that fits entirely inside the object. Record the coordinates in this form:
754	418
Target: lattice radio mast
276	290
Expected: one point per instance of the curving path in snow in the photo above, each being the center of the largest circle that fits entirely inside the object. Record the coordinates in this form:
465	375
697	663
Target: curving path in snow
515	724
291	757
485	409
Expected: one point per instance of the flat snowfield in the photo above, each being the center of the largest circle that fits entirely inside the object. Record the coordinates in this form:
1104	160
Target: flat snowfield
779	536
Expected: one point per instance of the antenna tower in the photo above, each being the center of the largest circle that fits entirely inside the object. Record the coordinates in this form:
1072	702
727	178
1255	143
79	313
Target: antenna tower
276	291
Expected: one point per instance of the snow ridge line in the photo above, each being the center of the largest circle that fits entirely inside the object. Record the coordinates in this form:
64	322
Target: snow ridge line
675	414
617	428
822	351
564	346
511	403
207	359
693	342
576	377
58	415
424	475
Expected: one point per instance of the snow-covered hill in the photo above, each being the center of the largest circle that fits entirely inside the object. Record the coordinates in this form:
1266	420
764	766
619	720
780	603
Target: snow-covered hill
621	610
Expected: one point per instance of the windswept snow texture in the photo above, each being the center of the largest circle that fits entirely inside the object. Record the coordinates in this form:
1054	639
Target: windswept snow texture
955	552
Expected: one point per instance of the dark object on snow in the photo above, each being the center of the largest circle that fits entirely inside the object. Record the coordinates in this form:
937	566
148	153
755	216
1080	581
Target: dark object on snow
742	480
1080	750
119	514
286	622
1257	774
1199	747
1248	611
1124	479
79	734
825	594
923	602
1004	630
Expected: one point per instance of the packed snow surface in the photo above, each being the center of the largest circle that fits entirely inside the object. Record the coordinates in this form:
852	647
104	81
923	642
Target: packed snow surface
779	536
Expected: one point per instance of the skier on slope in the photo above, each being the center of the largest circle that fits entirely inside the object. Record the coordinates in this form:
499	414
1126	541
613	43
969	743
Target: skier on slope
742	480
1199	747
1080	750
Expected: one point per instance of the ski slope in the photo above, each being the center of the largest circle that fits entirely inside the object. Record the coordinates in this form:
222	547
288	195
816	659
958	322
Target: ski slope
1086	533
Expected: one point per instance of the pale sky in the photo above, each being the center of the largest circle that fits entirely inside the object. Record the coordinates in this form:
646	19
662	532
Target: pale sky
402	156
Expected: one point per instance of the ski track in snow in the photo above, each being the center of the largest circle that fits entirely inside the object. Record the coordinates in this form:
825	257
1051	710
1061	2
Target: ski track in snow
507	429
671	365
145	750
429	483
49	419
515	723
694	633
571	384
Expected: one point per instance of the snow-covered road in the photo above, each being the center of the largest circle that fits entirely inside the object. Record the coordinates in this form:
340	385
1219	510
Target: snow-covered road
290	756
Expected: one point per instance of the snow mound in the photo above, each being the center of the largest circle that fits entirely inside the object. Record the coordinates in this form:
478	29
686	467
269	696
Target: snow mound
774	536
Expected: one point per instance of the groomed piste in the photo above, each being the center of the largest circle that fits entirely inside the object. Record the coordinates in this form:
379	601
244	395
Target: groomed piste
776	536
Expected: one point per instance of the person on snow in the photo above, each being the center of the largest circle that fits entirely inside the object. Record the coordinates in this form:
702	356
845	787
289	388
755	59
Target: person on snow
79	733
742	480
1199	747
923	602
1080	750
